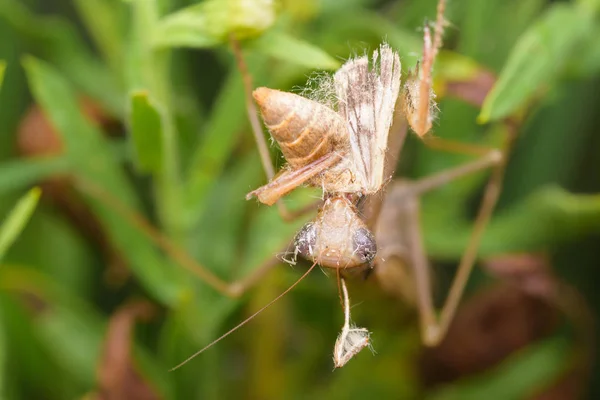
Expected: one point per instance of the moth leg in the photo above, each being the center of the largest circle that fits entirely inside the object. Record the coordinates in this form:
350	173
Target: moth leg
412	250
417	95
289	179
259	138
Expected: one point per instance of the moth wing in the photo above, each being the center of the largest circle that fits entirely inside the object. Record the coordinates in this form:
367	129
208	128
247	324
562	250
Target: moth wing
366	100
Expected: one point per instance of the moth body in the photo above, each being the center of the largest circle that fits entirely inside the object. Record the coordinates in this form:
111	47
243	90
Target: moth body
304	129
356	133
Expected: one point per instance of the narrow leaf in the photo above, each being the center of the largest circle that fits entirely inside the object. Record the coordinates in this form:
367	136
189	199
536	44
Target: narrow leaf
548	216
101	18
3	358
220	135
537	59
284	47
2	70
21	173
67	316
57	40
14	223
94	164
146	128
149	70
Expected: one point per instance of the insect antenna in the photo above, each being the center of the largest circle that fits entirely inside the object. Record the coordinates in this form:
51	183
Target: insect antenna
244	322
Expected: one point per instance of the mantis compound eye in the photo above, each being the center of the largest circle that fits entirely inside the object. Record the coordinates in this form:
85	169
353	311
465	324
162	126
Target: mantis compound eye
364	245
306	241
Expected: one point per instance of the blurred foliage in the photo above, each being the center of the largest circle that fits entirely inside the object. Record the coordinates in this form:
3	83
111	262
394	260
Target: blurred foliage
171	144
16	220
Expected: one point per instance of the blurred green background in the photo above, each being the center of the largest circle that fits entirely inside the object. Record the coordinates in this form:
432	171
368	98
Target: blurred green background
129	114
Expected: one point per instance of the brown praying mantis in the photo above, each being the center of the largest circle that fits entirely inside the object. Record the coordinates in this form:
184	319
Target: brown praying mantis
349	148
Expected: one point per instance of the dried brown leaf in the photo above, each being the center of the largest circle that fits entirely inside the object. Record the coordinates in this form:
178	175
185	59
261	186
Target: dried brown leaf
118	378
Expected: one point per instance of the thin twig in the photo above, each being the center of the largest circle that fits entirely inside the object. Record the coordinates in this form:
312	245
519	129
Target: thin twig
257	131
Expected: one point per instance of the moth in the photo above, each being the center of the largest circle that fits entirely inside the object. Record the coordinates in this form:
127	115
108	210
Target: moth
340	149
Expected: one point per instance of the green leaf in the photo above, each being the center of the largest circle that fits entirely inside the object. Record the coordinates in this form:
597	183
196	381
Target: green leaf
537	59
2	70
226	211
84	143
149	70
101	18
141	61
186	28
284	47
12	225
21	173
220	134
497	22
24	345
94	164
588	63
3	358
591	6
64	253
548	216
57	40
146	128
215	241
572	108
67	316
211	22
366	29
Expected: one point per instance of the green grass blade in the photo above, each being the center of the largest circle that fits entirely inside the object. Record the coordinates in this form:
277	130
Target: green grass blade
57	40
93	163
221	133
148	70
66	315
21	173
146	128
548	216
14	223
284	47
101	18
537	59
3	358
2	70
